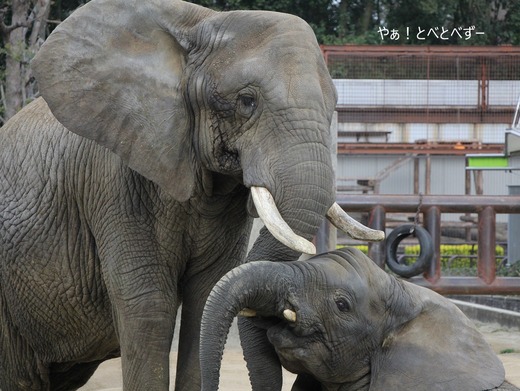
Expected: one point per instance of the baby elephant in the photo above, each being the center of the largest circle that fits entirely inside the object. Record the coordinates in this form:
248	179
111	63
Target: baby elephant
342	323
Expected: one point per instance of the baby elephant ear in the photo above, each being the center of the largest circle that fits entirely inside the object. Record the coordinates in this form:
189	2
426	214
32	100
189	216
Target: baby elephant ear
112	72
438	350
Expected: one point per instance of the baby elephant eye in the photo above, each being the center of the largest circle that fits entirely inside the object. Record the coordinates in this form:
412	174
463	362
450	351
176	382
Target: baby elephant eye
342	305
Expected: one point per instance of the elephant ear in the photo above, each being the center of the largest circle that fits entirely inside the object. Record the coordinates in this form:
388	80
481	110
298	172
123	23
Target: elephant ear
112	72
437	350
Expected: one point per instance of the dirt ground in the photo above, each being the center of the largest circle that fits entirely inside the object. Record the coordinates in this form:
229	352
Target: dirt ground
232	377
234	373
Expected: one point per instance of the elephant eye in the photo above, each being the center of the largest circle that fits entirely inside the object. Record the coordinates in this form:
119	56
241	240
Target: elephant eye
342	305
248	101
247	104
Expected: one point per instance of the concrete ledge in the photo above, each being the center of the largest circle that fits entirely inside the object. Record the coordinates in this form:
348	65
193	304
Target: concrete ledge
484	313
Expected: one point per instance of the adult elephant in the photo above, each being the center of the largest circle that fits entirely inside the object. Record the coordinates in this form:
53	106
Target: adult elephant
163	129
342	323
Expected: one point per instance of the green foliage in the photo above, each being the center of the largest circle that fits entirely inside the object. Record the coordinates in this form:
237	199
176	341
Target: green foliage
338	22
320	14
454	249
461	259
509	351
486	16
512	24
20	53
452	256
510	270
61	9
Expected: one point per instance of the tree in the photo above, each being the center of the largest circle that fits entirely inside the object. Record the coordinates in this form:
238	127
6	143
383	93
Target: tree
24	25
22	28
358	21
320	14
511	25
496	20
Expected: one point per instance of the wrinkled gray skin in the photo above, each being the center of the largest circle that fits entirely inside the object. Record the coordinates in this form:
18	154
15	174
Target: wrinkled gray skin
356	328
126	188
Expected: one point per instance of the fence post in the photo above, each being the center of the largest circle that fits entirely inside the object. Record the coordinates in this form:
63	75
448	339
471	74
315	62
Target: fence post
513	227
376	250
432	223
487	244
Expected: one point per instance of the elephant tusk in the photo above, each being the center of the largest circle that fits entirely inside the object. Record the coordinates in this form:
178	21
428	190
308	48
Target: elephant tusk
268	212
341	220
289	315
247	313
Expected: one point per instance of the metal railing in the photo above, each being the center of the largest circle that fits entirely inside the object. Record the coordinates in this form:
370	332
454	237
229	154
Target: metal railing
432	207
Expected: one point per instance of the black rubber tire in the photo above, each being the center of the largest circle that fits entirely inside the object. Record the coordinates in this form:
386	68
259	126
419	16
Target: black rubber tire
425	256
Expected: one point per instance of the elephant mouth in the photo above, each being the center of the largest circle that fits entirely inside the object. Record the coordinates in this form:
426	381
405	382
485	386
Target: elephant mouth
284	341
228	159
286	330
293	348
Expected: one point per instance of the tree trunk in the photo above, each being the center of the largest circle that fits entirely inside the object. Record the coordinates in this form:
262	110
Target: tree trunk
38	34
20	49
15	53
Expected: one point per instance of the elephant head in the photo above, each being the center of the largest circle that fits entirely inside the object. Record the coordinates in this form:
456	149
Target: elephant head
197	100
342	323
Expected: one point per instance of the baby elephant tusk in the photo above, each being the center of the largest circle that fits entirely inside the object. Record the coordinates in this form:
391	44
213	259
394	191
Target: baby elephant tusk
289	315
268	212
247	313
341	220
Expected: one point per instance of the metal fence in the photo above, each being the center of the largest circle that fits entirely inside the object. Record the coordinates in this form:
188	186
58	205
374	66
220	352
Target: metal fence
472	89
431	207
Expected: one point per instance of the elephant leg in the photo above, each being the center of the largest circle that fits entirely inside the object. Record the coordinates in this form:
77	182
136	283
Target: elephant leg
145	330
306	383
195	292
73	377
188	368
261	356
19	367
144	297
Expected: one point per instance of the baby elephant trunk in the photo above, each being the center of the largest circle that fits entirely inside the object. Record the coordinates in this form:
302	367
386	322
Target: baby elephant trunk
258	285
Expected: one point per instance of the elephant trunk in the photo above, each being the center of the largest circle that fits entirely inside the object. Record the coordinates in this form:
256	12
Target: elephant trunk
298	187
255	286
293	197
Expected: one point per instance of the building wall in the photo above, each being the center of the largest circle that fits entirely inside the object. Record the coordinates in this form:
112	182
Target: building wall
447	172
436	95
413	132
447	175
431	93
